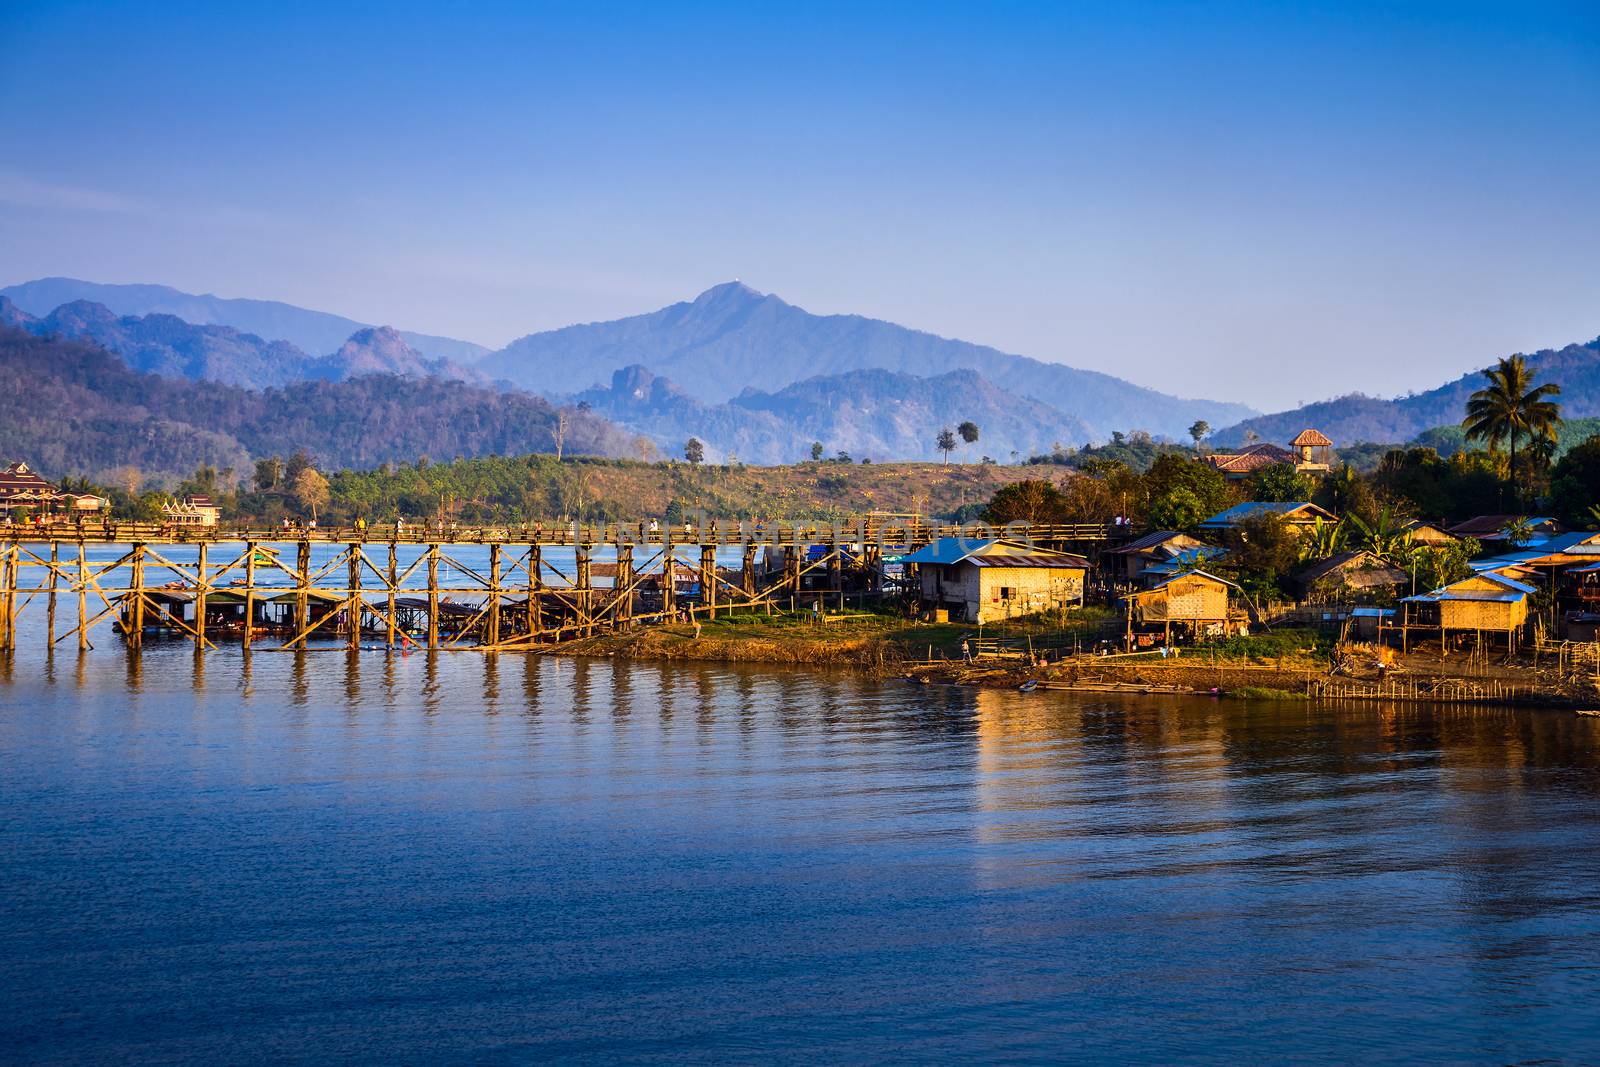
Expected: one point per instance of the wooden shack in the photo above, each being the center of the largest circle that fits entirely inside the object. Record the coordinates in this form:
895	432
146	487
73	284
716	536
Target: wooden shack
1486	603
988	580
1196	603
1353	576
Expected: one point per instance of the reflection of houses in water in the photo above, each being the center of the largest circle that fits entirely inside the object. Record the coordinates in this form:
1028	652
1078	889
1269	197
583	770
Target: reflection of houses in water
1054	769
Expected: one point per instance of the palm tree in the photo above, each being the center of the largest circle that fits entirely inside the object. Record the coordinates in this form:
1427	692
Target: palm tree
1385	536
1511	406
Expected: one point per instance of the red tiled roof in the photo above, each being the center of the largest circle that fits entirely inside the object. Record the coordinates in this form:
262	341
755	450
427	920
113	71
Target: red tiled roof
1311	438
1253	458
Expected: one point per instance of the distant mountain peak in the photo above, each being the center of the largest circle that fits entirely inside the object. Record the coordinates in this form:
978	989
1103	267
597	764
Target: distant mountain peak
732	293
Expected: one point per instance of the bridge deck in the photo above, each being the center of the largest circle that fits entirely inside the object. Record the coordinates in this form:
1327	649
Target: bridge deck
719	533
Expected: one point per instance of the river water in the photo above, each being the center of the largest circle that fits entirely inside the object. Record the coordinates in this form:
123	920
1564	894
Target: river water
338	857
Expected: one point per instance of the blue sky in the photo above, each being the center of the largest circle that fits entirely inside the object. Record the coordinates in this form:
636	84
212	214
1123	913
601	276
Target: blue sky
1273	203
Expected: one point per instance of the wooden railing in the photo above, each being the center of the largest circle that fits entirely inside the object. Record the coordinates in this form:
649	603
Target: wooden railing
890	534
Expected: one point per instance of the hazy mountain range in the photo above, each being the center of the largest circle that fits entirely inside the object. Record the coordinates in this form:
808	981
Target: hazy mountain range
869	414
728	341
167	345
1354	418
310	331
731	338
748	373
71	407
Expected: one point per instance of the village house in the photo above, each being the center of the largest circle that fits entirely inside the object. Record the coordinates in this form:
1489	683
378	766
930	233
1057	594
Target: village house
1497	530
1196	603
988	580
1353	576
1152	553
1489	602
1298	514
1430	534
22	487
1311	452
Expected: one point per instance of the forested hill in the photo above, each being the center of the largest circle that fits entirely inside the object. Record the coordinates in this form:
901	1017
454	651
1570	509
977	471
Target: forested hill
1347	419
876	415
71	407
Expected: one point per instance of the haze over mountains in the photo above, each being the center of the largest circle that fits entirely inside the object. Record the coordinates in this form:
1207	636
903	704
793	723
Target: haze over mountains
731	338
310	331
1353	418
748	373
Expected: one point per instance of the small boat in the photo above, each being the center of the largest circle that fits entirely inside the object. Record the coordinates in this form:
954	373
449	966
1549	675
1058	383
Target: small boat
1029	686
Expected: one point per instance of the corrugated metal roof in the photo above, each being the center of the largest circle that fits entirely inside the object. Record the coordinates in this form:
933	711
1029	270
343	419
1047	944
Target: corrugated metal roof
1149	540
1061	562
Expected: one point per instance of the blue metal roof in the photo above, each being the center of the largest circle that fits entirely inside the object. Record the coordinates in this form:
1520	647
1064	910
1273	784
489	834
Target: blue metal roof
1515	591
947	550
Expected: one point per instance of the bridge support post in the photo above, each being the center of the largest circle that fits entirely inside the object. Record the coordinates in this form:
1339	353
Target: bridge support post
50	601
623	611
352	610
135	628
708	579
393	581
669	587
491	626
302	588
249	592
791	574
836	569
585	588
202	585
8	599
83	598
433	597
747	571
535	604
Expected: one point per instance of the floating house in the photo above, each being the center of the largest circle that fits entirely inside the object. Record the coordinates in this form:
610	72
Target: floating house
1196	603
988	580
1297	514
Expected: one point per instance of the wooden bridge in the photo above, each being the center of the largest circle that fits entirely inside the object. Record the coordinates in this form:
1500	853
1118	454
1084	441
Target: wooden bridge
259	586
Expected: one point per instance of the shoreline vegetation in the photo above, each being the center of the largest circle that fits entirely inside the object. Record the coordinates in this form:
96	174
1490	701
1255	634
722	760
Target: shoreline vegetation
1283	665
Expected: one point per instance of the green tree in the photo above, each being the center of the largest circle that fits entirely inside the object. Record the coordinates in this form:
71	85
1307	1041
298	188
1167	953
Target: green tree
1198	430
946	442
694	451
1575	481
816	451
1177	509
1281	482
1031	501
269	472
969	433
1178	470
1511	406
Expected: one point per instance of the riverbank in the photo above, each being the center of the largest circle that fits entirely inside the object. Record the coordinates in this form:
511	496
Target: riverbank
1282	665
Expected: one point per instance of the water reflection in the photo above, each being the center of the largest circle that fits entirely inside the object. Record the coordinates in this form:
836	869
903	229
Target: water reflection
351	854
